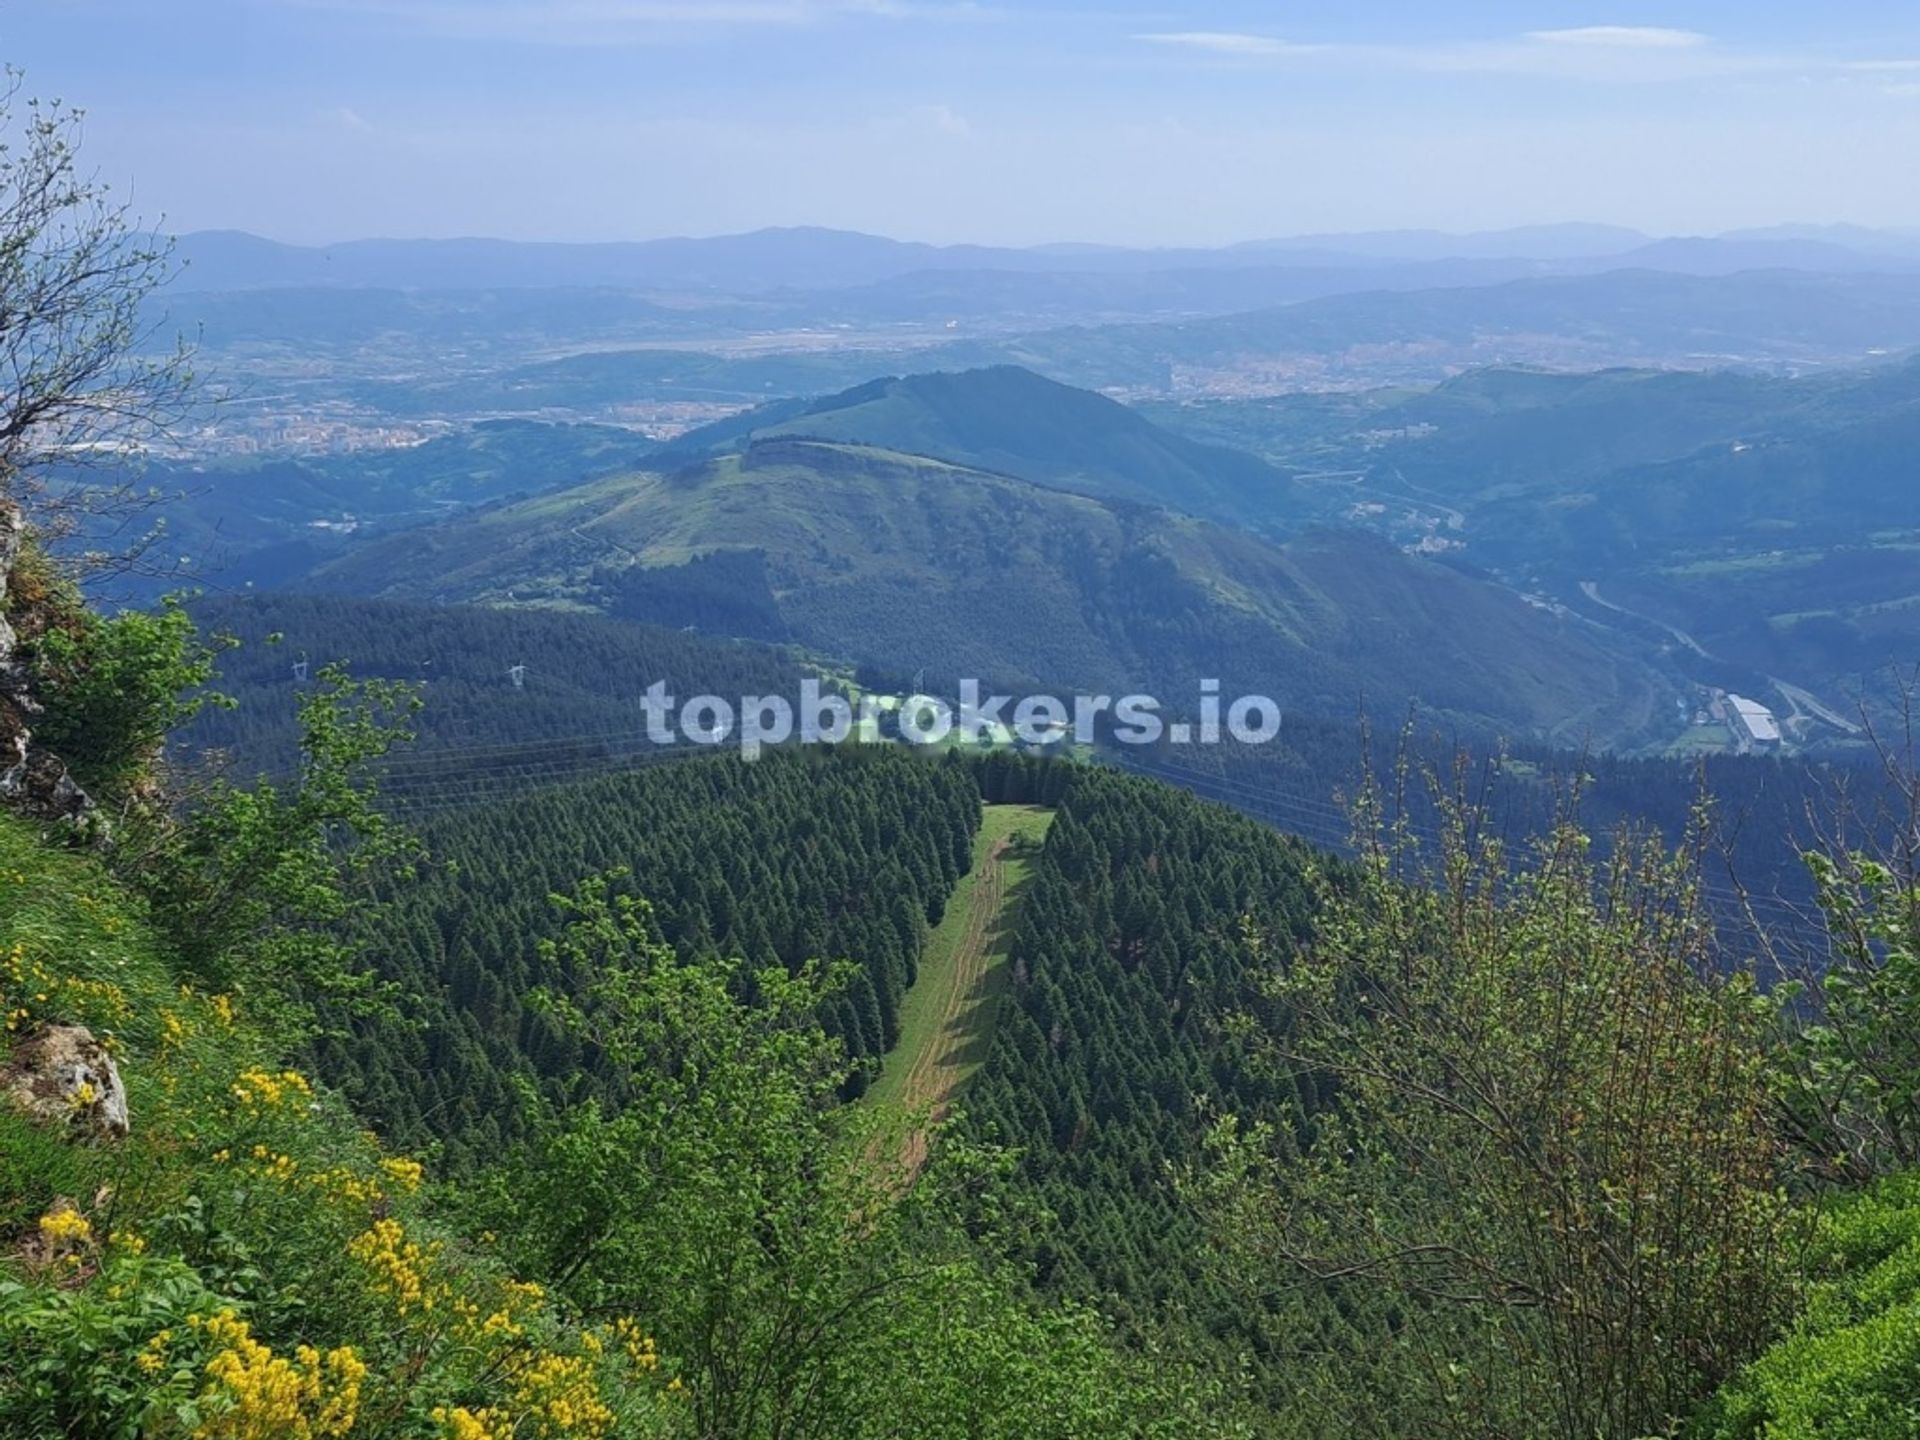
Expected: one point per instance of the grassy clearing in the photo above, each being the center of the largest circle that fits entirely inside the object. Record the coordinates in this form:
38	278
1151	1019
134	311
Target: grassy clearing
1700	740
946	1019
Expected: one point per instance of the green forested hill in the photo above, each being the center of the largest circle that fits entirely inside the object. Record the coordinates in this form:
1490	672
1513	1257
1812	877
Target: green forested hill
1495	429
1129	950
913	563
576	716
1771	519
1505	435
1753	818
845	854
1011	420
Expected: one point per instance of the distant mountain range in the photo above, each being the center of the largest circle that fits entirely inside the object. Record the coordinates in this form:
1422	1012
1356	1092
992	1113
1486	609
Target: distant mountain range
812	258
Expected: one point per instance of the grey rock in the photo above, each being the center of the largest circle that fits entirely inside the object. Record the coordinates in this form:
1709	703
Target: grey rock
60	1073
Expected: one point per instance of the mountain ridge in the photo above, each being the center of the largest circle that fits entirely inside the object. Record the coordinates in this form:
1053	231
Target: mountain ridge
1008	420
819	257
907	562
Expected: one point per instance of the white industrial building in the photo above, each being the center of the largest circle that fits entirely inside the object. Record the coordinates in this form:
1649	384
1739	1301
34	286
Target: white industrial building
1752	724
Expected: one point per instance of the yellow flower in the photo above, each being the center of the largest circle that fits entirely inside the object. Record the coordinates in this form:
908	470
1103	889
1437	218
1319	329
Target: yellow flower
500	1322
638	1344
407	1174
65	1226
153	1359
561	1395
345	1184
274	1166
263	1090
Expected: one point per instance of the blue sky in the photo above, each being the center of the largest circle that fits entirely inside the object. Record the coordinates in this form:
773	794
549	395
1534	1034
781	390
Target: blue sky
1016	122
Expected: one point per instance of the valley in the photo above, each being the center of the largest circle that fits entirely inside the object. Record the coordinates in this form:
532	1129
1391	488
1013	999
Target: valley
795	835
1544	483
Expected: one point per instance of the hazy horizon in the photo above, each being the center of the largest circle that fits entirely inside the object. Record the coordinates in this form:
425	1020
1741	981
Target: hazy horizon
1084	242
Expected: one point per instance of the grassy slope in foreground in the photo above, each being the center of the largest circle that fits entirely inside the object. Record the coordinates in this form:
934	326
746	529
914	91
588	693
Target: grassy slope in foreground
169	1275
946	1019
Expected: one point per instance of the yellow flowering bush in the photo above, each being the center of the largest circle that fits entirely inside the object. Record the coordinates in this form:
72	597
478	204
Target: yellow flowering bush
407	1174
254	1394
128	1242
547	1381
399	1266
274	1166
344	1185
561	1397
152	1358
639	1345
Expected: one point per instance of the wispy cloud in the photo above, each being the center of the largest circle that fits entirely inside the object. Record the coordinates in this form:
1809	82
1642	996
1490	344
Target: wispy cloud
945	119
1605	53
1226	42
1621	37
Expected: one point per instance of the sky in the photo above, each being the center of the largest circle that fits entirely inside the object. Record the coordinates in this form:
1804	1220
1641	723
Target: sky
1022	122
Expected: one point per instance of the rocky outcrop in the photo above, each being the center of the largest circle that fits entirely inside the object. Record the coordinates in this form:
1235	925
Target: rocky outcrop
61	1074
32	782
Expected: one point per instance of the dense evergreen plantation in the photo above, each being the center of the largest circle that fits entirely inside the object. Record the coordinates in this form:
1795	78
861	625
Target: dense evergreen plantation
801	855
577	704
1132	949
1130	952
